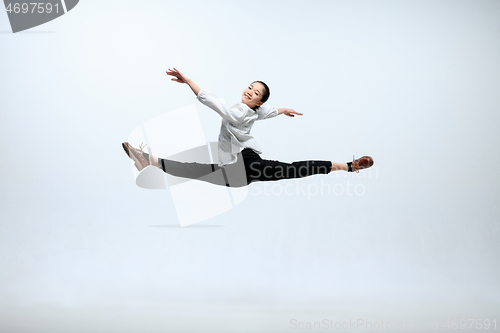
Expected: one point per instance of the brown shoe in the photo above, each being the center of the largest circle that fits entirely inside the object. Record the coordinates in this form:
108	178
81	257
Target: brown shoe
361	163
136	155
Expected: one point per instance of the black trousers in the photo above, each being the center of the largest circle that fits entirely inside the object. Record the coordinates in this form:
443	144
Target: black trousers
249	167
258	169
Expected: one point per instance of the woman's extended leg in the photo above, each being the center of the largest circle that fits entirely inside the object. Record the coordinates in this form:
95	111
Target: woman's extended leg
174	168
232	175
339	166
258	169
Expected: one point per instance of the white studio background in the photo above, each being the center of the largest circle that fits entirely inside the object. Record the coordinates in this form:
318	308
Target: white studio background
412	83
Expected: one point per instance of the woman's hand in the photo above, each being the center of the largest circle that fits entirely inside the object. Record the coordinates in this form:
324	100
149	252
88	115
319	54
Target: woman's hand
177	76
288	112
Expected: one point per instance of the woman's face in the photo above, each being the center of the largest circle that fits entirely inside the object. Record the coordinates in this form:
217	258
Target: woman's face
252	95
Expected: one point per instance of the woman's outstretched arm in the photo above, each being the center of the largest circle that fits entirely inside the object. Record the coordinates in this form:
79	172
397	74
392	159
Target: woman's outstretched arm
288	112
181	78
209	99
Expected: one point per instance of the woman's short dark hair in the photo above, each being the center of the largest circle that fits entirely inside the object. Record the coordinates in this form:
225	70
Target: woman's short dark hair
266	94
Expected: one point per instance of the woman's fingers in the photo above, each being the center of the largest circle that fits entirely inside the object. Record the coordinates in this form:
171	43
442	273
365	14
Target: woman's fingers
174	72
180	74
290	113
178	77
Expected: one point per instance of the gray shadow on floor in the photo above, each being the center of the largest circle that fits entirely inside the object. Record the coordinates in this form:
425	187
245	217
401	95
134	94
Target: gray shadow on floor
189	226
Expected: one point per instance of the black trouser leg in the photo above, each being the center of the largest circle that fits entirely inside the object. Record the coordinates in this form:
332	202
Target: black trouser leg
190	170
232	175
268	170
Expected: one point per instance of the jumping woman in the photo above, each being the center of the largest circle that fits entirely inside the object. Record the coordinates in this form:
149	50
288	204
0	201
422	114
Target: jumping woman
236	146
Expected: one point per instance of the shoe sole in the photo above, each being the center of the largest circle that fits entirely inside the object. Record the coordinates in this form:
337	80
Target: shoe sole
137	163
370	163
362	167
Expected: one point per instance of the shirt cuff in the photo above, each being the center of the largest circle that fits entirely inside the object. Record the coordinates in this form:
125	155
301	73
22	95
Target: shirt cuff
201	94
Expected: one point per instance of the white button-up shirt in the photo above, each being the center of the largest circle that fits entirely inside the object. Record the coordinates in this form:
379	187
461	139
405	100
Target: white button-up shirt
237	121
